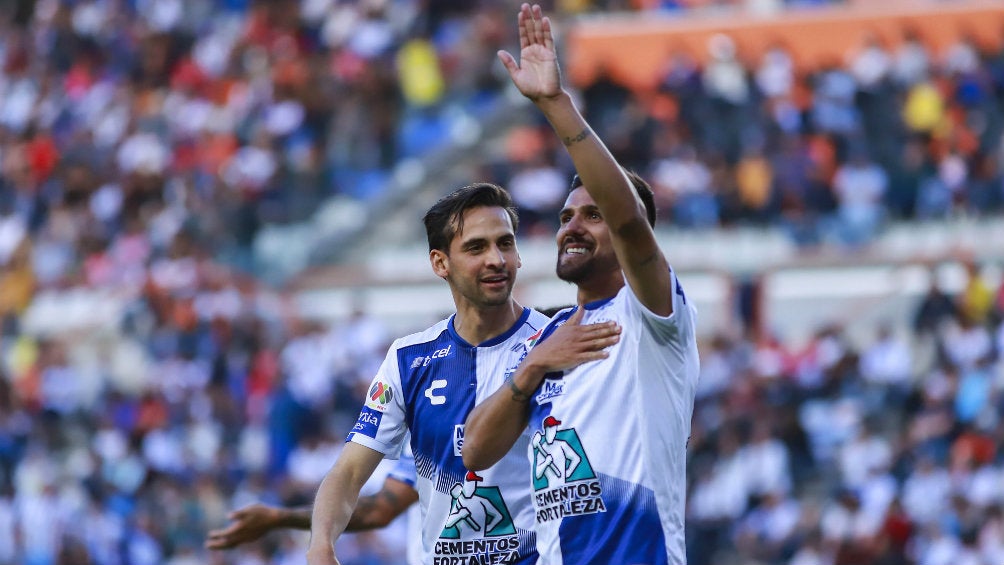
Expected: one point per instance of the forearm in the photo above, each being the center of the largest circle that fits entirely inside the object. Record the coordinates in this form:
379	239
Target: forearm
338	493
595	165
295	518
378	510
494	425
333	508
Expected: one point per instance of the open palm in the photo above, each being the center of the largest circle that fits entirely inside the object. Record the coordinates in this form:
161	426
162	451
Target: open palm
537	74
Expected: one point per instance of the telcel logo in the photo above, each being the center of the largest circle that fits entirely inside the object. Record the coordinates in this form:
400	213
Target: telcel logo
438	354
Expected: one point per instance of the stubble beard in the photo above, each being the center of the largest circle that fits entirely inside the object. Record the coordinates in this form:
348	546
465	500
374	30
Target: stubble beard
572	271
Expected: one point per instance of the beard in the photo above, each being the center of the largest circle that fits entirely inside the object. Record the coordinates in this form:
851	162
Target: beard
574	271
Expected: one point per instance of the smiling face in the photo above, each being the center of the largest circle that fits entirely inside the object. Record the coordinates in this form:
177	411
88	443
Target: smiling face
585	250
482	260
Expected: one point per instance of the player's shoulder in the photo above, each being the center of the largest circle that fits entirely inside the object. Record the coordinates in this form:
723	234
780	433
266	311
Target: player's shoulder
432	333
536	320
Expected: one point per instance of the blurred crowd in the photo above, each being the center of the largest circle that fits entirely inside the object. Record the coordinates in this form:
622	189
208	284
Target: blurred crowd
827	154
148	384
883	450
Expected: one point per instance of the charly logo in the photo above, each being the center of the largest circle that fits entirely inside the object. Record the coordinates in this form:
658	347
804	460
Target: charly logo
430	393
477	513
564	482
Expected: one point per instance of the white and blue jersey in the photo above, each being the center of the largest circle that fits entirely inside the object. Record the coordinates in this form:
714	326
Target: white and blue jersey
427	385
609	440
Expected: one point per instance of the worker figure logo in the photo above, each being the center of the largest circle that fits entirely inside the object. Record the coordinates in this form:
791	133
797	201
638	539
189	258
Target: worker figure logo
477	509
564	483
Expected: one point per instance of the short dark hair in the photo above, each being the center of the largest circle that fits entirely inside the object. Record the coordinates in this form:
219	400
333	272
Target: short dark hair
643	189
446	218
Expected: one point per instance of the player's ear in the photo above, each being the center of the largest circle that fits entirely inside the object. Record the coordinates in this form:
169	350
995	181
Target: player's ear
440	262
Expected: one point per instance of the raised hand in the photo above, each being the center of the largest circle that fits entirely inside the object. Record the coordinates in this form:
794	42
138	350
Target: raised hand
536	75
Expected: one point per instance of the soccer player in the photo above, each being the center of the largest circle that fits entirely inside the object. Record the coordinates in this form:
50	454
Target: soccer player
625	414
427	385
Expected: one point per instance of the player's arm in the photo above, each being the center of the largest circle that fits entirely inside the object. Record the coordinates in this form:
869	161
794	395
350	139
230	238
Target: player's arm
336	499
538	77
372	512
494	425
377	510
252	522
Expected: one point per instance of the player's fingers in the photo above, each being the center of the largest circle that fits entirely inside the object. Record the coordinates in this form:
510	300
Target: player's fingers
545	25
538	29
576	316
593	356
524	37
528	25
217	539
509	62
605	342
599	330
607	327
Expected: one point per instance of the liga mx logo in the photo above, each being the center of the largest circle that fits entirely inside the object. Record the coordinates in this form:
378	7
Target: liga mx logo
379	396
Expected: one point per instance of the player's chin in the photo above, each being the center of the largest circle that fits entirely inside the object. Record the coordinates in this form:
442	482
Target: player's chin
572	270
497	296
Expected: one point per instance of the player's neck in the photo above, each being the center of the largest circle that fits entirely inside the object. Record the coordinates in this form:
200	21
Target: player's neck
599	288
479	324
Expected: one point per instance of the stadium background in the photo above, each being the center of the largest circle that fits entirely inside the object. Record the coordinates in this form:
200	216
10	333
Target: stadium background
209	232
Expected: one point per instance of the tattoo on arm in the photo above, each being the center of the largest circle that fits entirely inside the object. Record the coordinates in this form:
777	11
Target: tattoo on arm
375	511
517	394
573	140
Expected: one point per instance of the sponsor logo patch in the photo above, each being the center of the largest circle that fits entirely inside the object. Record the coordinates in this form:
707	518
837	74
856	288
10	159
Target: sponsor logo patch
367	423
550	389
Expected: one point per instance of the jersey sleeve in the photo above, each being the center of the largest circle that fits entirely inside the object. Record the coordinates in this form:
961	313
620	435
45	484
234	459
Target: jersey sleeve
381	423
681	324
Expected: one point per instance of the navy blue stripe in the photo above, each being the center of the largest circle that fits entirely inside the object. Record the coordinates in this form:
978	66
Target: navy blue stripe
495	340
630	530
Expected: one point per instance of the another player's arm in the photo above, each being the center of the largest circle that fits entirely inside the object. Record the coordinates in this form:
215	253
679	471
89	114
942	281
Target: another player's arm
252	522
494	425
372	512
377	510
538	77
336	499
